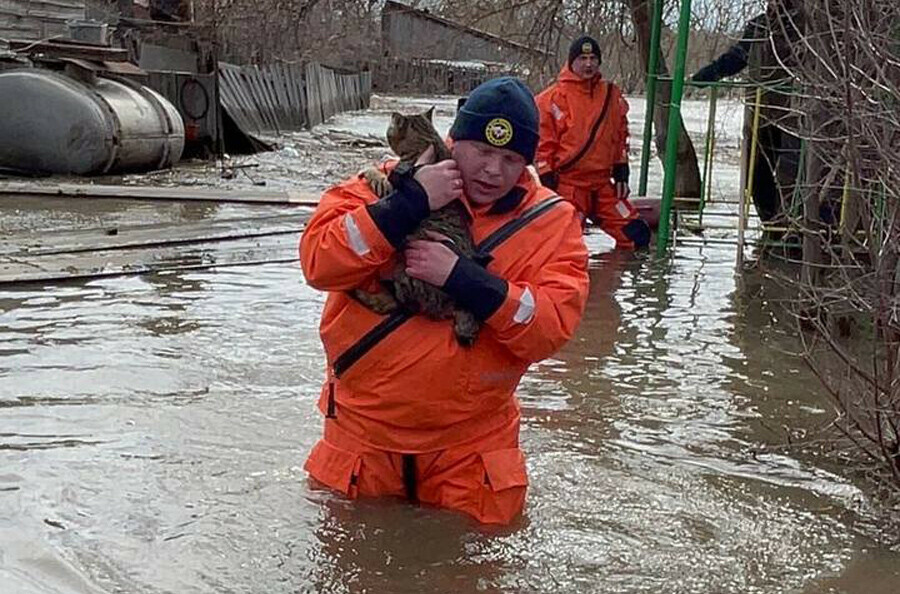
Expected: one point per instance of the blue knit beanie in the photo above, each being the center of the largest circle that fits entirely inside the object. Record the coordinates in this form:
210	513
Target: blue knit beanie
502	113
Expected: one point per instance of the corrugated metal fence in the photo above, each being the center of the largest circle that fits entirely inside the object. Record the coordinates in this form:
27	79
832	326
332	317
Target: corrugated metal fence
282	97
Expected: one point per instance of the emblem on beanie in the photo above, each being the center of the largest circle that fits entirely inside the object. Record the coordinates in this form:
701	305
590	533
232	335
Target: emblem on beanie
587	48
498	132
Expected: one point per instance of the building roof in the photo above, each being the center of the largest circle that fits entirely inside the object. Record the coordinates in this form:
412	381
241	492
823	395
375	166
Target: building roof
394	6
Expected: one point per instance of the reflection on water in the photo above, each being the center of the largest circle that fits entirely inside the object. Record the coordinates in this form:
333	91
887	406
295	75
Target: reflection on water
375	546
153	431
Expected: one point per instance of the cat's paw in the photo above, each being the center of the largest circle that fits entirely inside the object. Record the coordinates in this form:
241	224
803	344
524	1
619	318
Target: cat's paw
381	303
465	327
378	182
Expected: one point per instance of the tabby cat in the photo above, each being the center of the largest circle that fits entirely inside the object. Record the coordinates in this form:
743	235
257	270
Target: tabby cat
409	137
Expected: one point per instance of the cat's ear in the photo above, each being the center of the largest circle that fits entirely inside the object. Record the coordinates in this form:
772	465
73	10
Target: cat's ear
430	114
396	117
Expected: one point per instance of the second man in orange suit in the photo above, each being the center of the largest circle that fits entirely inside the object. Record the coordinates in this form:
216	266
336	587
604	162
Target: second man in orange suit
583	149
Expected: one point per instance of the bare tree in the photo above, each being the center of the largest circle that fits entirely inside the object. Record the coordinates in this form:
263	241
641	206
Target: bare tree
846	76
334	32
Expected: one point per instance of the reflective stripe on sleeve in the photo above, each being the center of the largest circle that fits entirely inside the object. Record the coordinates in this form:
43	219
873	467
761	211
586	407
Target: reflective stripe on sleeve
526	308
355	237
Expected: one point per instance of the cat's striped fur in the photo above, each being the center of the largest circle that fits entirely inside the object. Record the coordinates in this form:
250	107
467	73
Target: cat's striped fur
409	137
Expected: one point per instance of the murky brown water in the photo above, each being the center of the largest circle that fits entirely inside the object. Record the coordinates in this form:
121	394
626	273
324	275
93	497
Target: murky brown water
153	430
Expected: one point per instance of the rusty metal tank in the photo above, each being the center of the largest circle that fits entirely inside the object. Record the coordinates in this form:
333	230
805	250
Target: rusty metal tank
53	123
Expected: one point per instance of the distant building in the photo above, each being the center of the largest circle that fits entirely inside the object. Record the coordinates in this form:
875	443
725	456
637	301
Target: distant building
24	19
408	33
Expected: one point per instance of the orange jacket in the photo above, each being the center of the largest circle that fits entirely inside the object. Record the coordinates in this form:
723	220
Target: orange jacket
418	390
569	109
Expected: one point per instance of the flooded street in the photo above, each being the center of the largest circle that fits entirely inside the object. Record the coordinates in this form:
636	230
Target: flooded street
153	430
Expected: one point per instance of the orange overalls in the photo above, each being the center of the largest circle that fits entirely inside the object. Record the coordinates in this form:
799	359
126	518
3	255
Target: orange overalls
418	404
584	141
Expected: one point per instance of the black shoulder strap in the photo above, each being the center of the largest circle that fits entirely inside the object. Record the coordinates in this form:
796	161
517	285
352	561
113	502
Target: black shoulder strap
490	243
369	340
590	141
397	318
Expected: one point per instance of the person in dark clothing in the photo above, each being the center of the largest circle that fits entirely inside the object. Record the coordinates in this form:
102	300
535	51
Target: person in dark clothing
764	48
736	57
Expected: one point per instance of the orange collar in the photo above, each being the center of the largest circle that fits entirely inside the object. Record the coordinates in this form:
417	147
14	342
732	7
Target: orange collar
567	76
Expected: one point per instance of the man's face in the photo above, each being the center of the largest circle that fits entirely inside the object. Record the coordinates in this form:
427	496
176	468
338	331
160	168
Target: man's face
586	66
488	172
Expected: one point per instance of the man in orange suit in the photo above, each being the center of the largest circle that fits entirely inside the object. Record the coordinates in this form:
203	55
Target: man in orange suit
583	150
409	412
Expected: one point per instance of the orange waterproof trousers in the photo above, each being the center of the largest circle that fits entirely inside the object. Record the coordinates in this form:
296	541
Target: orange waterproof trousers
611	214
485	478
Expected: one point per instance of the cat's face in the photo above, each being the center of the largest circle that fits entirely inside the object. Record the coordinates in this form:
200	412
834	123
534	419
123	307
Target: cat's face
409	135
397	127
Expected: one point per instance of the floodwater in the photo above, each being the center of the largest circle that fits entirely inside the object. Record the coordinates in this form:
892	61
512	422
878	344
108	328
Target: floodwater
153	430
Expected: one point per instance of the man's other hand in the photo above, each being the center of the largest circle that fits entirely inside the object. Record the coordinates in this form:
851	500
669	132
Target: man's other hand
430	261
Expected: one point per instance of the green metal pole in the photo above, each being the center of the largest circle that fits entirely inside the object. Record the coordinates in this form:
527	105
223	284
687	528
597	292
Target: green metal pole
656	27
684	31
